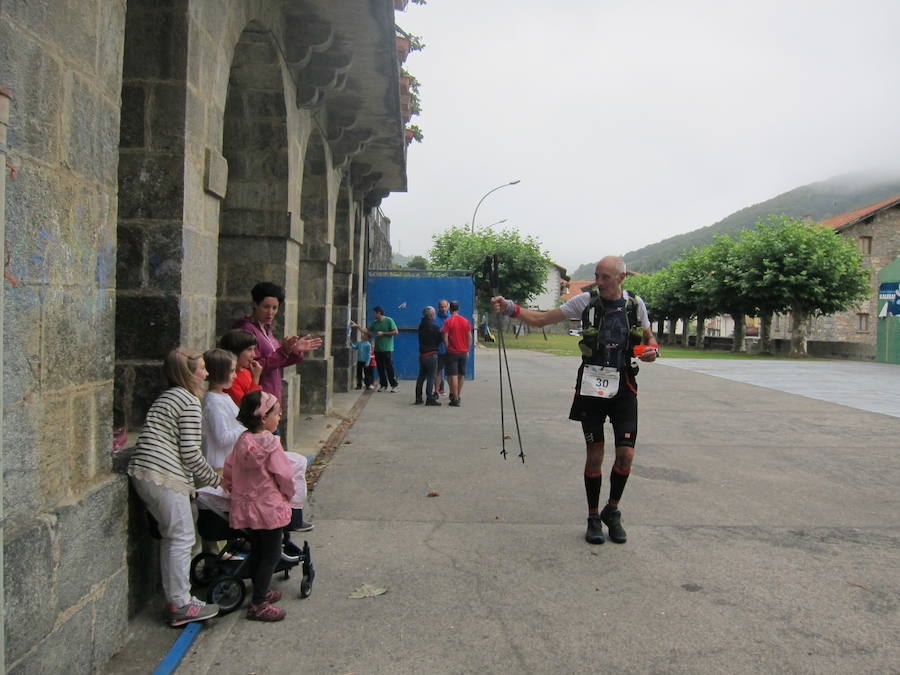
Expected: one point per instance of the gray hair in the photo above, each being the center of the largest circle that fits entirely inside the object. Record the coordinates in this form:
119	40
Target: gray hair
428	312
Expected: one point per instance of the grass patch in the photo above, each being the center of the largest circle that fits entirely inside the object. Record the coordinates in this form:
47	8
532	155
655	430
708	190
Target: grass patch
567	345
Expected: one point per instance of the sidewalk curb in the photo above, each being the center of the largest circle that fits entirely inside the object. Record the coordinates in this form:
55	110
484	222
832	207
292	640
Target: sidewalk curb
333	442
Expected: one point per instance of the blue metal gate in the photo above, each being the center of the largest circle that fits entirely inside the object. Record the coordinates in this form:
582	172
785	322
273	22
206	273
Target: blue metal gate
404	294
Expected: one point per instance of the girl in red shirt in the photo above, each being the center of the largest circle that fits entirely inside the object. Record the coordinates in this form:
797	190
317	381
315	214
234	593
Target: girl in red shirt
242	344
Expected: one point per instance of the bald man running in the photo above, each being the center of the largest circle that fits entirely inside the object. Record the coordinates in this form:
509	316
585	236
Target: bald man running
614	323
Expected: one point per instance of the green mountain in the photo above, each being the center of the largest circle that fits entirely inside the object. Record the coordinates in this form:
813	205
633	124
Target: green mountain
400	260
817	201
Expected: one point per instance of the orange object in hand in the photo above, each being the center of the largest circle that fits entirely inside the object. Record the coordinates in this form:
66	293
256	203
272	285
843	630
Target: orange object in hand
640	349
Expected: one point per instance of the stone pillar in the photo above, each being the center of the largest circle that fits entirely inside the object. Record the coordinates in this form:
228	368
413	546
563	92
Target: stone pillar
4	121
360	265
344	357
317	262
151	239
316	289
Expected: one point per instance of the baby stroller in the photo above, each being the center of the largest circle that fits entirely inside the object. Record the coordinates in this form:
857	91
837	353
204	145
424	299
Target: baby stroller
223	573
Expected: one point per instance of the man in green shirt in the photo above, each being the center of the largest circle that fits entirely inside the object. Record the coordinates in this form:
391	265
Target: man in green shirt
383	329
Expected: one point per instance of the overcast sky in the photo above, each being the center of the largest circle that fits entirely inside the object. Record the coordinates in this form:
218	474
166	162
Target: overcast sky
631	121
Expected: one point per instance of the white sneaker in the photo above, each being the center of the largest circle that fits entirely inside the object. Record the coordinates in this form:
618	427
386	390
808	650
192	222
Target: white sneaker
395	389
371	387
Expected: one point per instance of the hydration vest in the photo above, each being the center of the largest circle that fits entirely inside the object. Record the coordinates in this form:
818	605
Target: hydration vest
593	348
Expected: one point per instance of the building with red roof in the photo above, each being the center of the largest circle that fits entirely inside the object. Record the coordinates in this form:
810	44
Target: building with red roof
876	229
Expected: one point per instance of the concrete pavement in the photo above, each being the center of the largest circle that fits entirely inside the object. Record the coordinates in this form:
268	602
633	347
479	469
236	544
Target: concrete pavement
763	536
865	385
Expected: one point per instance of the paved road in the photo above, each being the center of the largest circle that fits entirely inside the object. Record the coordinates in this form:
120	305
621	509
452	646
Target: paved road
868	386
763	537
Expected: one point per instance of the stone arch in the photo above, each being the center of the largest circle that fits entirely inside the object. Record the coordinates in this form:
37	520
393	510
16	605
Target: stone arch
255	241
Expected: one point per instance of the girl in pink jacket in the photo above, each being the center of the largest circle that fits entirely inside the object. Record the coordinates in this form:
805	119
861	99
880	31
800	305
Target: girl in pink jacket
261	481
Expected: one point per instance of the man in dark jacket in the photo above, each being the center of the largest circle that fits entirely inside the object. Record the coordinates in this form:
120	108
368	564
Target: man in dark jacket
429	340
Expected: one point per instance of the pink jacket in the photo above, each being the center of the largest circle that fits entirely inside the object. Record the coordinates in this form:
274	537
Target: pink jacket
260	478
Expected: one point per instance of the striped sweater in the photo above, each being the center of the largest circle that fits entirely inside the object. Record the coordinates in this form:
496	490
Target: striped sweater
168	449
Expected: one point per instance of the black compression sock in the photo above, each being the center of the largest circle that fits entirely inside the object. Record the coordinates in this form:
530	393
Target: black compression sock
592	485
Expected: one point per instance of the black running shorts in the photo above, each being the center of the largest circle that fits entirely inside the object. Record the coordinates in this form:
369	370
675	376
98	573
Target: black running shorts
592	412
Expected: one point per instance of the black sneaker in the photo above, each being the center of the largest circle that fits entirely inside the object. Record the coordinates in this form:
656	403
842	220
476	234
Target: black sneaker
454	402
594	534
612	518
418	401
432	401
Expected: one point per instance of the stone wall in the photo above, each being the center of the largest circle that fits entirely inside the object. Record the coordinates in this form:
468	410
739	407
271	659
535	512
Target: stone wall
169	156
67	609
380	253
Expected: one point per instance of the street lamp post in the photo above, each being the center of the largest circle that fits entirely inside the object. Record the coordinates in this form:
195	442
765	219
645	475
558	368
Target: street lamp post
512	182
499	222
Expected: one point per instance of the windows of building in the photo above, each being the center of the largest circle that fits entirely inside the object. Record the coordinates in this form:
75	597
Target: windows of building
865	245
862	323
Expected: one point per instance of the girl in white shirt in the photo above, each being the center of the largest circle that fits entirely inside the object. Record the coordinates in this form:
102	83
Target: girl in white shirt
220	426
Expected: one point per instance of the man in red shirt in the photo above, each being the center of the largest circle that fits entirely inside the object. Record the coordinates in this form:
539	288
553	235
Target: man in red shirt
458	339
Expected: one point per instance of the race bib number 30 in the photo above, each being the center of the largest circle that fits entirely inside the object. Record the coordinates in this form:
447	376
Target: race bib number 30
599	381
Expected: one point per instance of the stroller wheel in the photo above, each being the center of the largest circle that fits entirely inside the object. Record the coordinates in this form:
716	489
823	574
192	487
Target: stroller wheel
305	587
228	593
204	568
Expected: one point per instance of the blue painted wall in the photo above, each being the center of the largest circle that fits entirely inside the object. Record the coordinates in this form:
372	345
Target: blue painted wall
403	298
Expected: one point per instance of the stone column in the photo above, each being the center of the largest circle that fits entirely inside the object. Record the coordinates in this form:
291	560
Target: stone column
316	289
317	262
151	238
344	357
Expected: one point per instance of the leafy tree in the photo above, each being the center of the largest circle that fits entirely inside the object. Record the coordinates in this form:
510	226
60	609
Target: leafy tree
670	300
685	293
805	268
417	262
723	285
521	261
758	249
647	287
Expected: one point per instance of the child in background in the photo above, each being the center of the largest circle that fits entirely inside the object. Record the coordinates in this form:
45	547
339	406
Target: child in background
363	350
163	469
242	344
260	479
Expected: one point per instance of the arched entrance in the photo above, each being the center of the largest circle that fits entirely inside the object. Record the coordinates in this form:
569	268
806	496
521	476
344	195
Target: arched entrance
256	240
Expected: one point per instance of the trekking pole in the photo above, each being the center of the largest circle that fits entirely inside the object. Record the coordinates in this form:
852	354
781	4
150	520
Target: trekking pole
490	268
495	282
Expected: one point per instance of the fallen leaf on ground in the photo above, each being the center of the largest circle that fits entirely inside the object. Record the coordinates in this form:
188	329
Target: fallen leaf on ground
347	442
327	426
433	493
507	435
367	591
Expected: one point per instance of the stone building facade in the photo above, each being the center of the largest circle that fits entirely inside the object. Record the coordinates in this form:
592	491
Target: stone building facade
167	155
876	229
